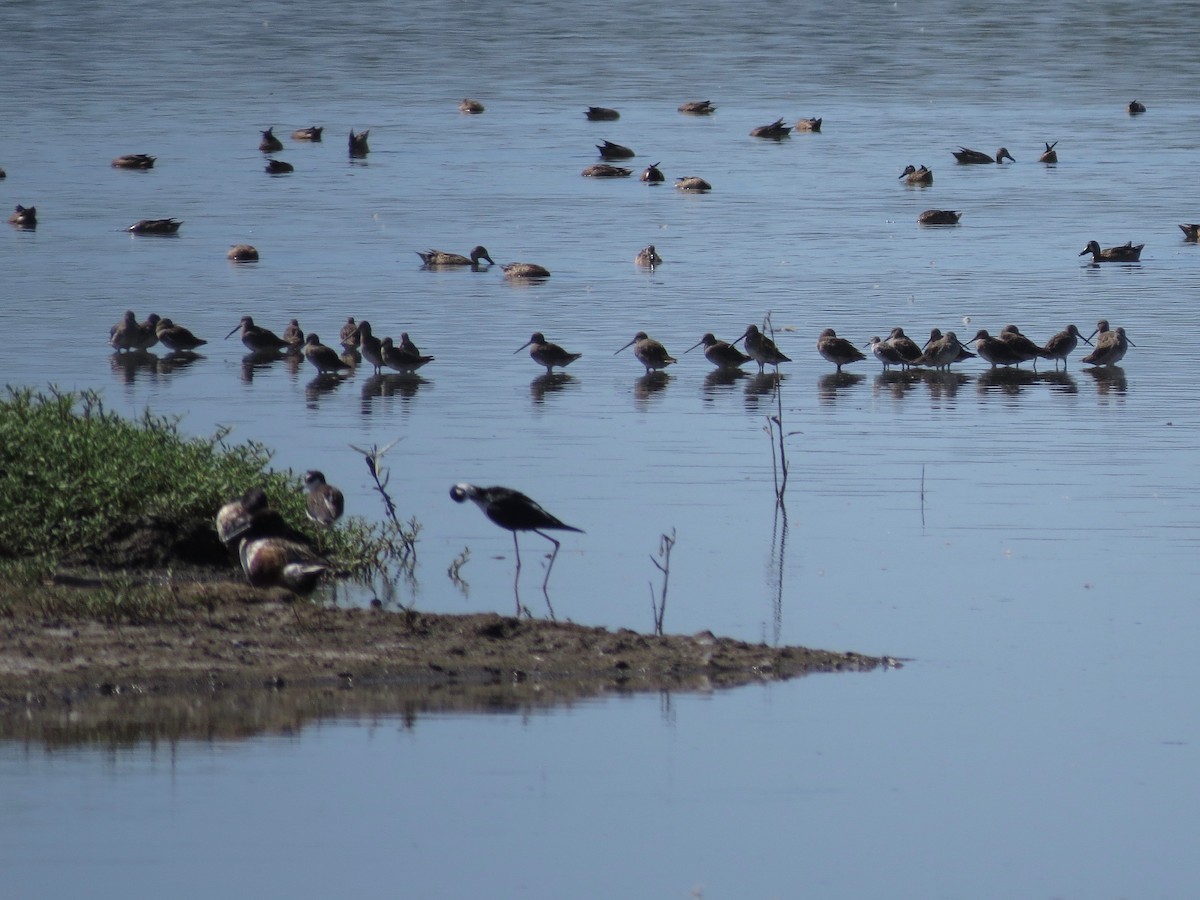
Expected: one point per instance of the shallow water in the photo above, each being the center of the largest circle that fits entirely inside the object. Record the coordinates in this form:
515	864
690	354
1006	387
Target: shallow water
1029	542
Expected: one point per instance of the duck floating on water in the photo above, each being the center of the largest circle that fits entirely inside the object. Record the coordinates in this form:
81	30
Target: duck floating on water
270	143
1136	107
609	150
435	258
605	170
813	125
698	107
471	107
692	184
913	175
652	174
155	226
312	133
1050	155
24	217
648	257
939	217
134	161
243	253
601	114
967	156
775	131
525	270
358	144
1127	252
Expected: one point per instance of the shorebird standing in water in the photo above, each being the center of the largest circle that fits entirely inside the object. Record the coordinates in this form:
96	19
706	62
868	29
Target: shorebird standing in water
719	353
886	354
762	349
257	339
1063	345
324	503
547	354
1110	347
649	352
514	511
838	351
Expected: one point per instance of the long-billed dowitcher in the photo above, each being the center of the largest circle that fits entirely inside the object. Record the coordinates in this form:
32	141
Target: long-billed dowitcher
312	133
609	150
693	184
293	335
719	353
257	339
348	336
24	217
515	512
648	257
762	349
1050	155
370	346
698	107
604	170
939	217
155	226
525	270
838	351
1136	107
243	253
994	350
126	334
544	353
176	338
775	131
148	332
887	355
913	175
1063	345
941	350
652	174
406	359
813	125
1127	252
649	352
1021	345
601	114
279	167
324	359
471	107
407	345
270	143
134	161
324	503
908	349
358	143
1190	232
435	258
1110	347
978	157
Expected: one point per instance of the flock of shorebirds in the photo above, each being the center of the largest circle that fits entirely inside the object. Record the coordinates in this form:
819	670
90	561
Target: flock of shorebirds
273	554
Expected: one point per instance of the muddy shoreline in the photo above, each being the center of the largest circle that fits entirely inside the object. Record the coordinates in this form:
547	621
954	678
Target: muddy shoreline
224	643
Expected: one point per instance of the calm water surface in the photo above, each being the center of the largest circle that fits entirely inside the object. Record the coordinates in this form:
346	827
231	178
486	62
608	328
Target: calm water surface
1030	543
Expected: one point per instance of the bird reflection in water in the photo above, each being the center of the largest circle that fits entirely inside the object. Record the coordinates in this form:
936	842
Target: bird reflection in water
127	365
648	385
1060	382
1005	380
180	359
1109	380
394	384
943	385
896	382
720	380
261	360
323	383
830	385
549	383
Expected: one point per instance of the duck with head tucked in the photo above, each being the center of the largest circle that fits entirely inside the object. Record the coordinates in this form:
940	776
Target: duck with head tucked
601	114
606	170
692	184
155	226
312	134
525	270
978	157
648	257
134	161
939	217
470	107
698	107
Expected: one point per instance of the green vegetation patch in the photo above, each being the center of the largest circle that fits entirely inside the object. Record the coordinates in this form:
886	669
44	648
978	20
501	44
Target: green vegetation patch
80	484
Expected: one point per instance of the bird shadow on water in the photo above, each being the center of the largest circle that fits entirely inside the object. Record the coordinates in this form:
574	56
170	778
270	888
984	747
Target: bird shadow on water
551	383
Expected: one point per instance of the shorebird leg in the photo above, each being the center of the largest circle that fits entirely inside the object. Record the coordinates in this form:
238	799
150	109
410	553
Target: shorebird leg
553	556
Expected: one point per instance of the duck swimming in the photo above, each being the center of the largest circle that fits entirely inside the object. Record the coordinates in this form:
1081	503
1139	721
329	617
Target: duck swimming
1127	252
977	157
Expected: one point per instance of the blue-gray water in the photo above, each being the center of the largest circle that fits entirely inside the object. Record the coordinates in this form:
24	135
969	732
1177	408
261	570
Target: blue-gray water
1030	545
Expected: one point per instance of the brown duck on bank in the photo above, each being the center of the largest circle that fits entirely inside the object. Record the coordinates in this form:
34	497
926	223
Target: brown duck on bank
913	175
134	161
977	157
270	143
155	226
1127	252
601	114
